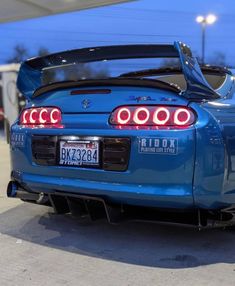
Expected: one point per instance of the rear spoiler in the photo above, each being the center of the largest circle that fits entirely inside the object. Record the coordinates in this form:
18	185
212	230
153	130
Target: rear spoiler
31	71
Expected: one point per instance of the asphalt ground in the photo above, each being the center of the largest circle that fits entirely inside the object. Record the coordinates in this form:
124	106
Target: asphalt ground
38	247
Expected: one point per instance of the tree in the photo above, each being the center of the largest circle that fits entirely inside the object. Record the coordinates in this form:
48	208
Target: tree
82	71
218	59
20	54
170	62
42	51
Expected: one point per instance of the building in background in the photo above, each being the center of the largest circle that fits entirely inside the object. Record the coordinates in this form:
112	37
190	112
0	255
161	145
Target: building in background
10	100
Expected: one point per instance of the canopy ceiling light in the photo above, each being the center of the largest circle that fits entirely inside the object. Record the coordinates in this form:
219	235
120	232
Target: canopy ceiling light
14	10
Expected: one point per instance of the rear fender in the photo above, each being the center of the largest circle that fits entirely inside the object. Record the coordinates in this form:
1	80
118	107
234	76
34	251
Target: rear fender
210	160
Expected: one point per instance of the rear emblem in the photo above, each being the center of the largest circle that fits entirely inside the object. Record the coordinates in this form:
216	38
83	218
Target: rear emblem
86	103
141	98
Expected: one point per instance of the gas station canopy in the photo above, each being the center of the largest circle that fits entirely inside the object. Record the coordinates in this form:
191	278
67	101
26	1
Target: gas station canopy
14	10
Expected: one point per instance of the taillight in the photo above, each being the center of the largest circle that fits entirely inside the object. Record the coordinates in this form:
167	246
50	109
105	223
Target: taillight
172	116
123	115
41	117
141	115
182	116
161	116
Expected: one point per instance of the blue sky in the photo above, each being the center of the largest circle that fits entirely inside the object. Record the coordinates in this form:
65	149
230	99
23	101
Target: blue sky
144	21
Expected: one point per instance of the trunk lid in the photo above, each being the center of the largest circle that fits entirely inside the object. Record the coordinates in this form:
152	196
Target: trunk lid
105	99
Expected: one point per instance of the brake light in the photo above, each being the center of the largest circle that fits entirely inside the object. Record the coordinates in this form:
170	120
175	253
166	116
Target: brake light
123	115
41	117
181	116
162	116
141	115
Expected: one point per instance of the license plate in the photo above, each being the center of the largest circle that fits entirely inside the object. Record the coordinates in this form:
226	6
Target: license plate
79	153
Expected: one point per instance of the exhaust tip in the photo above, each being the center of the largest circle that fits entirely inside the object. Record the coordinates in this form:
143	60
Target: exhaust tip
12	189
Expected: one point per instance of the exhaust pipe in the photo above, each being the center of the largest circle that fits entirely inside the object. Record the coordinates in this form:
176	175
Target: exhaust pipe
14	190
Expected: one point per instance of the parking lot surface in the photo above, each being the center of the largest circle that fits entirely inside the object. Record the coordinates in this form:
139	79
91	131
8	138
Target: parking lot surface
38	247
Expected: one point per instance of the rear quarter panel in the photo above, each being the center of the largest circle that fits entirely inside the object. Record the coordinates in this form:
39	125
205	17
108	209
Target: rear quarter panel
214	178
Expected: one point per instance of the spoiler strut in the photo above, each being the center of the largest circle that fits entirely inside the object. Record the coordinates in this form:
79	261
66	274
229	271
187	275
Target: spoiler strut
197	85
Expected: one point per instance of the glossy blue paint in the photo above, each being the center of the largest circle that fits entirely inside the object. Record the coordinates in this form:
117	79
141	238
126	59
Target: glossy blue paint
147	179
201	174
195	80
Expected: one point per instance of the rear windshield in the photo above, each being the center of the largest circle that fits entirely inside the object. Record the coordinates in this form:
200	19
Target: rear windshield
104	69
116	68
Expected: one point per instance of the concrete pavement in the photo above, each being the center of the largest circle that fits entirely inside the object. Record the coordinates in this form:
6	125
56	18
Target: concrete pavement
38	247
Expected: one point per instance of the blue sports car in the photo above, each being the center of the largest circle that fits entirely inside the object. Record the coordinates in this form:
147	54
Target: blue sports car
128	132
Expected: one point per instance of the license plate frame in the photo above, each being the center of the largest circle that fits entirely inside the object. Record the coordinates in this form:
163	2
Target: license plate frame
74	144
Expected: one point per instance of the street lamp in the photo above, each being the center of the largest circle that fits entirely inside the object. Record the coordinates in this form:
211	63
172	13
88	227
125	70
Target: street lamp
204	21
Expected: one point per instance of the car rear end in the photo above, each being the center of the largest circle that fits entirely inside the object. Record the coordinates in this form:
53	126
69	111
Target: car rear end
89	151
119	141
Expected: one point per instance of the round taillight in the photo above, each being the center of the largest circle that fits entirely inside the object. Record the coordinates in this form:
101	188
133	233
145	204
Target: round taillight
43	116
152	116
182	117
33	116
25	116
123	115
55	116
161	116
141	115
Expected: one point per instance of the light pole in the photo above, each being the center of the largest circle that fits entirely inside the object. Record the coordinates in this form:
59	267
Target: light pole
204	21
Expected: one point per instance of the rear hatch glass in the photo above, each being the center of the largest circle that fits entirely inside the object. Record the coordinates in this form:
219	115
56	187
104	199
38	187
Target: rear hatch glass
104	69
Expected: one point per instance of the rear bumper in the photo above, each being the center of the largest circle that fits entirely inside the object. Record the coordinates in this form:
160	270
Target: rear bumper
161	196
98	205
152	179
